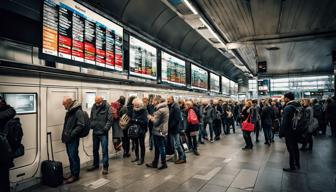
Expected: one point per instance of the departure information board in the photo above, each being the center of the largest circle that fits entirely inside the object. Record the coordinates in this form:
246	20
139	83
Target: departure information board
214	83
172	69
225	86
199	78
142	59
74	32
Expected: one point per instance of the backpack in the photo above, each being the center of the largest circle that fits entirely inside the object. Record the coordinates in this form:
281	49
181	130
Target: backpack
115	108
13	132
86	129
300	121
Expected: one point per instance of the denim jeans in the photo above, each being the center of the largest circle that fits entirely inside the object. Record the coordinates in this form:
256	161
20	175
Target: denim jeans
103	140
202	132
211	129
267	132
72	151
176	144
160	149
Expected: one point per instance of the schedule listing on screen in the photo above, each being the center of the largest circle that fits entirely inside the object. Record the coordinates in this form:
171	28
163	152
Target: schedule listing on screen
172	69
142	59
199	78
214	83
74	32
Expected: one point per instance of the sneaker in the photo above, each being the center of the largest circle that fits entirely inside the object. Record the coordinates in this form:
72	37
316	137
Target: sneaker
105	171
71	180
180	161
211	141
196	153
92	168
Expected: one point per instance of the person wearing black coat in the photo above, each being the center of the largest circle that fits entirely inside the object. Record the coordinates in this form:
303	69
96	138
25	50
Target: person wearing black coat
6	161
126	139
139	118
73	125
175	119
246	114
287	131
267	116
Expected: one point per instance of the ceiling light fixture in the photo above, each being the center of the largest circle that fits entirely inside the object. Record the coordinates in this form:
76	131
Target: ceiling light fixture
190	7
212	32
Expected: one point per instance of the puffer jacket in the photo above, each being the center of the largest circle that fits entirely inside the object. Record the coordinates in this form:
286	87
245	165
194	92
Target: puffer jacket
161	118
101	118
73	123
139	117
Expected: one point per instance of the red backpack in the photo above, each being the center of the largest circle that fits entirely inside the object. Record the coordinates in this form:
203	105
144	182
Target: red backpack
192	117
115	108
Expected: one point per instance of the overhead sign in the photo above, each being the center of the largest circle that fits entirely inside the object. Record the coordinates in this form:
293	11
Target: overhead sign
172	69
74	32
199	78
214	83
142	59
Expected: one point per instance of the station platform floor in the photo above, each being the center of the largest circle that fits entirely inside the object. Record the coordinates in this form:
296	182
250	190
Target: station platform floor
221	166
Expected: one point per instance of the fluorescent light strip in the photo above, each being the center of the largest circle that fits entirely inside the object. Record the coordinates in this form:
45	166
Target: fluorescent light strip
212	32
191	7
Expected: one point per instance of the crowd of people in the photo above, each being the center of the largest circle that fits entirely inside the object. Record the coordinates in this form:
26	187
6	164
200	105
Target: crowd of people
177	127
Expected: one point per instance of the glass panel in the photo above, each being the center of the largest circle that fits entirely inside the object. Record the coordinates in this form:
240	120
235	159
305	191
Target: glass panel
22	103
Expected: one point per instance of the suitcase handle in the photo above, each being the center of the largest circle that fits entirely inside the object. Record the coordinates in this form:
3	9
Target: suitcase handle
52	150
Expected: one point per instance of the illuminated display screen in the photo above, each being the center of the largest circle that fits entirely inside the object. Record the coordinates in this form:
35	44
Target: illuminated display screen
214	83
72	31
173	69
225	86
142	59
199	77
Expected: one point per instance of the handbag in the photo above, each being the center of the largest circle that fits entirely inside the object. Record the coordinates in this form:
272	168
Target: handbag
192	117
124	120
247	125
134	131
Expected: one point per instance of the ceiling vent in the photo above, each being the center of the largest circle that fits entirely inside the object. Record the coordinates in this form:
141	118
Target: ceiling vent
272	48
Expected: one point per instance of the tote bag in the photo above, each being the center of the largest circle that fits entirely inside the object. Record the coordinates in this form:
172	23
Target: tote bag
247	125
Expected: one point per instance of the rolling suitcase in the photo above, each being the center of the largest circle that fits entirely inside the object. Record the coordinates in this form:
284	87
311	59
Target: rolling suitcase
52	171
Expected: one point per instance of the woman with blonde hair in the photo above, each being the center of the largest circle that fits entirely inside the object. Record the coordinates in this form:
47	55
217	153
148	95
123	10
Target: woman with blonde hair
193	126
246	115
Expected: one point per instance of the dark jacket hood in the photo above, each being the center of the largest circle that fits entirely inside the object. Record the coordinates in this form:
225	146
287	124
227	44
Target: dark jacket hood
293	103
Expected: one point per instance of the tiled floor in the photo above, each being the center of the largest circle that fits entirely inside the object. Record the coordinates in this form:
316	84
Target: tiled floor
222	166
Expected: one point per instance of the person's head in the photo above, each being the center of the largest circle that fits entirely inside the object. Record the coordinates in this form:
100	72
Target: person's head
99	100
2	102
158	99
145	101
220	102
266	102
211	101
137	104
314	101
215	102
255	102
181	103
122	100
289	97
188	105
130	100
67	102
306	102
204	102
273	103
248	103
170	100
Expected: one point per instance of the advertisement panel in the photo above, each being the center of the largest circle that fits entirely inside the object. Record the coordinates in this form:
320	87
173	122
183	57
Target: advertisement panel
214	83
199	78
173	69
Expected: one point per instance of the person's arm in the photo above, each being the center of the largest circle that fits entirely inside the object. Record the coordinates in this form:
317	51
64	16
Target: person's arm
285	121
7	114
79	124
109	118
156	119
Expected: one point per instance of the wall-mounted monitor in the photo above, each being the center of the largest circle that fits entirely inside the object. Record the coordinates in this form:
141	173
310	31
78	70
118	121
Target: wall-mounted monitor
23	103
225	86
74	32
214	83
142	58
173	69
199	78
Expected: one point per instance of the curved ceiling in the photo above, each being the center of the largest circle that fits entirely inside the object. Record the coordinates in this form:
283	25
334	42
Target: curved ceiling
158	21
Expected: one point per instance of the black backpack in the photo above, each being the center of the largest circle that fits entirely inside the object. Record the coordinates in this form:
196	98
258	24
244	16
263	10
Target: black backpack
13	132
300	121
86	129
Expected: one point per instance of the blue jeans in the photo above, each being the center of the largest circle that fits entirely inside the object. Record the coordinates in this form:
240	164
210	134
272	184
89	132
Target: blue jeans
267	132
160	149
176	144
103	140
202	132
72	151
